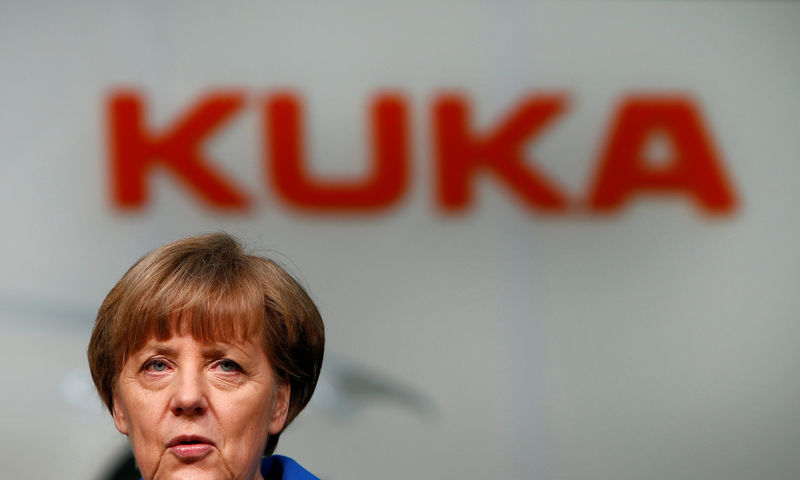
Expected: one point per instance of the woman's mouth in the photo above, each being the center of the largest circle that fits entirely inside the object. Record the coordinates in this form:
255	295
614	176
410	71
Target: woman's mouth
190	448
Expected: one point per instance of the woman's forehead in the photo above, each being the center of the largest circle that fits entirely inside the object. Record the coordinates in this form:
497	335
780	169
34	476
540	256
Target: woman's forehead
187	341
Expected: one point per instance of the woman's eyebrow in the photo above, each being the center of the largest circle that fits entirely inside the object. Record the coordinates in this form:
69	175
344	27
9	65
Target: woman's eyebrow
222	349
214	351
163	350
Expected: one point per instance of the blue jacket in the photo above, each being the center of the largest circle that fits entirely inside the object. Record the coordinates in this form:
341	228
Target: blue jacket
278	467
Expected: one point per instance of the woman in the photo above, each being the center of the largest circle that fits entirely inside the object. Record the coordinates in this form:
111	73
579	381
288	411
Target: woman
203	355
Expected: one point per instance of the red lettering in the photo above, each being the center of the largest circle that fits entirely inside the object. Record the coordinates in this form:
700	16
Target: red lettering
626	168
460	154
379	189
694	169
135	150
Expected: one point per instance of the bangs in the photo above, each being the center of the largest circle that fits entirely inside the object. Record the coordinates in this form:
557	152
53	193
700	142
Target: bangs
226	307
206	319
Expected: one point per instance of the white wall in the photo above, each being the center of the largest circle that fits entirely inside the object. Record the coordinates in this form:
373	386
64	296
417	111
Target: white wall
651	343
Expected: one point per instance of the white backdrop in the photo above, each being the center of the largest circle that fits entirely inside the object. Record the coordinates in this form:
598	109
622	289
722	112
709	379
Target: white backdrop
654	342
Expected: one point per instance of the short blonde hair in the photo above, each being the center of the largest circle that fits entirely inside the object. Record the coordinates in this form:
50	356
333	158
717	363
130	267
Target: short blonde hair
208	286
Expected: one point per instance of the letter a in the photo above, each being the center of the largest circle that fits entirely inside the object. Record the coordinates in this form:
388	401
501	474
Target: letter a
135	150
694	169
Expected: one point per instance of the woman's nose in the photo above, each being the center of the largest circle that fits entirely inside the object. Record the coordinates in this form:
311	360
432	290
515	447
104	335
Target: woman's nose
189	395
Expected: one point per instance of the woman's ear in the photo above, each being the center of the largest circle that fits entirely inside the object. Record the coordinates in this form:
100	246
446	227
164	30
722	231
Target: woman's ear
119	417
280	408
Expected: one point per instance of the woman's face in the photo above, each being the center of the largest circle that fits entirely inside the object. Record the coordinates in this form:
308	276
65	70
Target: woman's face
193	410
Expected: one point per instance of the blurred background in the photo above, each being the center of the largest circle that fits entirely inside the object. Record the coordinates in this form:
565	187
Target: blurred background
506	336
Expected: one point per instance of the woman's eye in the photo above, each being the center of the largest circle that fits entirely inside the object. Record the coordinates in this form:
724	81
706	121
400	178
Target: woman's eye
157	365
228	366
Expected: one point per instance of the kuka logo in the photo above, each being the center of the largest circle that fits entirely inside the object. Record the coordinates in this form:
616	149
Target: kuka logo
622	171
